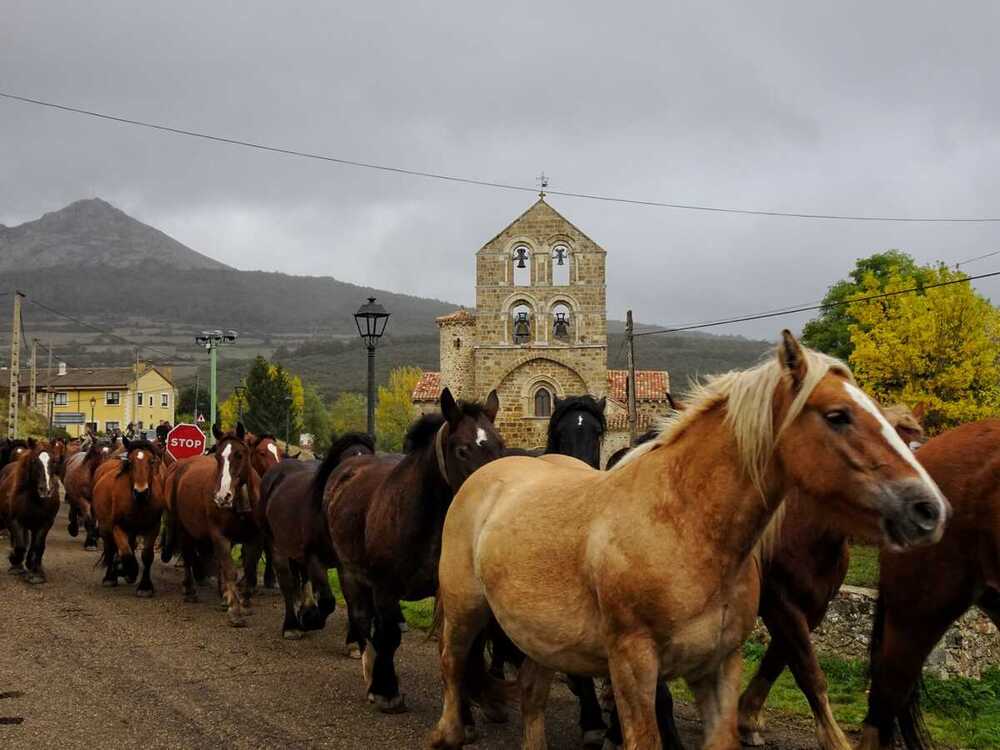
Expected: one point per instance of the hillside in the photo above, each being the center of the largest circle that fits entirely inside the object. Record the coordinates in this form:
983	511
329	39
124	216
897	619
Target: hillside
94	234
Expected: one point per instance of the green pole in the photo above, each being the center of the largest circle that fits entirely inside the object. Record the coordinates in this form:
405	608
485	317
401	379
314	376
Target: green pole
212	355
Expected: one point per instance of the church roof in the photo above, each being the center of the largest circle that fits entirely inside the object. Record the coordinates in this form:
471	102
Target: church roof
651	385
541	206
459	316
619	422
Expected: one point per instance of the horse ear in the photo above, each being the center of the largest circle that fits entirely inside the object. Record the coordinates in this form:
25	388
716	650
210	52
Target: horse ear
31	443
126	444
217	431
920	411
792	358
449	408
602	403
492	405
240	430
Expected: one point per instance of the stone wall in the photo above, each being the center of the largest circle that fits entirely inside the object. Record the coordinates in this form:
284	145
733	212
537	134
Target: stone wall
457	354
970	646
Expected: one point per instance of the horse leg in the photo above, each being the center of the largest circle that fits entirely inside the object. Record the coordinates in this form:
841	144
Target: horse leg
665	717
361	614
269	567
36	573
535	682
591	720
73	528
108	557
18	548
188	555
125	545
717	695
386	639
90	526
751	719
251	559
291	629
145	587
323	604
227	578
634	668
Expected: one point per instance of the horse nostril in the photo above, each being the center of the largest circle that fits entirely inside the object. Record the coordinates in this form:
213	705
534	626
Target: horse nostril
926	514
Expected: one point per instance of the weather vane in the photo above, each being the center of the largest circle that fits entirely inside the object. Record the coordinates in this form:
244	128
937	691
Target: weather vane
543	182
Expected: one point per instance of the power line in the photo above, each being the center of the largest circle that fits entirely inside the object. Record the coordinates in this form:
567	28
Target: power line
978	257
809	308
481	182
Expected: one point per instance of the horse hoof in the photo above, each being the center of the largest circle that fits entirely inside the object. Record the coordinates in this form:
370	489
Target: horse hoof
191	598
609	745
223	606
90	548
497	714
34	578
74	531
403	627
371	697
396	705
237	621
594	737
108	583
753	738
144	593
16	570
292	635
471	734
353	652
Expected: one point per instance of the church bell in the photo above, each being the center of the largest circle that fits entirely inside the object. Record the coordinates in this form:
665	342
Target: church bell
560	256
522	328
521	255
560	328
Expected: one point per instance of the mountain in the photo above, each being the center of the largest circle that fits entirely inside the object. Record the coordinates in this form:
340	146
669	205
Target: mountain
94	234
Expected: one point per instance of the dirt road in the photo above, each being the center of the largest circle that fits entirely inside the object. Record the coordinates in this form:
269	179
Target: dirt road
84	666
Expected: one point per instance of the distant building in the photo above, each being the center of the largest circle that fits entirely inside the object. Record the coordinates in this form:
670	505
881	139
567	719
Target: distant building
108	398
539	332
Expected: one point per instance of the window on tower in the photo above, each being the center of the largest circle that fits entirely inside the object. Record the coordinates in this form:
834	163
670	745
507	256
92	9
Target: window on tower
543	402
522	324
560	265
521	260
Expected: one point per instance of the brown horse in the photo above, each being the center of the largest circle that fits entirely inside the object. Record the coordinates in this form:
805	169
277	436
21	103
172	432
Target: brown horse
650	570
264	453
212	501
385	515
799	580
29	502
128	505
296	531
79	481
923	591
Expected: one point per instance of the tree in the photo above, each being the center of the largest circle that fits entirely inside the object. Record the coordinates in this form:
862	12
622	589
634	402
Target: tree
186	405
347	413
270	401
940	347
830	330
394	411
316	420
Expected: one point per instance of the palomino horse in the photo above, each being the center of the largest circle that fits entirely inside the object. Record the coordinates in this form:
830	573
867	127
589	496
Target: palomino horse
385	515
296	531
651	569
923	591
80	468
798	581
212	500
29	502
128	505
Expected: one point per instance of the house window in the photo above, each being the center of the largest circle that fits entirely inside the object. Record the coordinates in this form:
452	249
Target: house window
138	399
112	398
543	402
164	400
110	427
62	399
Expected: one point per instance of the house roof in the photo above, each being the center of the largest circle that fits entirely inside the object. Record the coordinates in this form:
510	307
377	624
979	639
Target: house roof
619	422
459	316
541	206
93	377
651	385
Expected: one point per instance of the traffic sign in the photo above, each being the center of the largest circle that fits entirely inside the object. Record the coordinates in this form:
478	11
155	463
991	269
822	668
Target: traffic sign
184	441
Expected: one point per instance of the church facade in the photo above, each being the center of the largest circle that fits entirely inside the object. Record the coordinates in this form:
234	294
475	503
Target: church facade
538	333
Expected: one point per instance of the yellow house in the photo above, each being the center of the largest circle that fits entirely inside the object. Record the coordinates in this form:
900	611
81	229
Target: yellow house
108	398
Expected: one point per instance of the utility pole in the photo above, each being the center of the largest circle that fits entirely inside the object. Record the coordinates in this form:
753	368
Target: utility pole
630	364
15	367
212	340
33	398
49	398
135	394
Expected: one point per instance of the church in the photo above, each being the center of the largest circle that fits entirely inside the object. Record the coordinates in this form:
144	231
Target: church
539	332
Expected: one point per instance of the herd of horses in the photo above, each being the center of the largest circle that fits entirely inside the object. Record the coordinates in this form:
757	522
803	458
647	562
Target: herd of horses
652	568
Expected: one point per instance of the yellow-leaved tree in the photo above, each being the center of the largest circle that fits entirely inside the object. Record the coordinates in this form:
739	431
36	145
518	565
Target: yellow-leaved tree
939	347
394	410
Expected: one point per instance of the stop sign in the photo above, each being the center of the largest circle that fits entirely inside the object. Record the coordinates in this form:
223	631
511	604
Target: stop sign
184	441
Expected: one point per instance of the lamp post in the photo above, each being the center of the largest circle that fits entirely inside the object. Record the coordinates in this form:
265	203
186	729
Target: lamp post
212	340
93	403
371	319
240	392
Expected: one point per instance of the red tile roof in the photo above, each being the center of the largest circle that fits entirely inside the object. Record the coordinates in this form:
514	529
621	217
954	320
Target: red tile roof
619	422
459	316
428	388
650	385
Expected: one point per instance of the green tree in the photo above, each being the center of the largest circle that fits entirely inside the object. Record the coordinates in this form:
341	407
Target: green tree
394	411
940	347
270	400
347	413
186	405
830	331
316	420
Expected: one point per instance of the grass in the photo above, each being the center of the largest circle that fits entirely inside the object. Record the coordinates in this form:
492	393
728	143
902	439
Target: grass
419	615
863	570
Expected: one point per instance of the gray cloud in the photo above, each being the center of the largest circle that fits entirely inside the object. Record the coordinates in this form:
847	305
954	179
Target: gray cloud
851	108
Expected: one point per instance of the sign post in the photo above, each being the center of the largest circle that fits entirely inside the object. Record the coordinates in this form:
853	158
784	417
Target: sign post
184	441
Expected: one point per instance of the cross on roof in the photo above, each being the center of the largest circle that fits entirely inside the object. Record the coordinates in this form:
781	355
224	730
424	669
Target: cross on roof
543	182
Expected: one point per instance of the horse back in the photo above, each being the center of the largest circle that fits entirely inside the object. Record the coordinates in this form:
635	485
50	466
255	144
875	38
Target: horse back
351	491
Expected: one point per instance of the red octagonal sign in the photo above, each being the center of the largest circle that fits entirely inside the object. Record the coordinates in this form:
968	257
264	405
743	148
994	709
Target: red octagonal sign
184	441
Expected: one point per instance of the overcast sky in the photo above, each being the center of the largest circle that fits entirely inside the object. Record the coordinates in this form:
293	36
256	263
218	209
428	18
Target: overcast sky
886	108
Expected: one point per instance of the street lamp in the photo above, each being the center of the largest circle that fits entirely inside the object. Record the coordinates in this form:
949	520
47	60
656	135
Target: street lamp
93	403
371	319
240	392
212	340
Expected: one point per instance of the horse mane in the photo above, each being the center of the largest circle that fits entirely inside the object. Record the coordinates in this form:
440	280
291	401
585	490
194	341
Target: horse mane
332	460
422	432
340	444
585	403
143	444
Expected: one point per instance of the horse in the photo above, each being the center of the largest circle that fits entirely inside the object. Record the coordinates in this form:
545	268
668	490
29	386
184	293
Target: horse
923	591
385	514
212	501
10	449
296	532
264	453
650	569
79	481
799	580
128	504
29	502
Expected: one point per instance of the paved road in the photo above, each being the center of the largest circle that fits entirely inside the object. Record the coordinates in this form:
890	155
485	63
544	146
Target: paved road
93	667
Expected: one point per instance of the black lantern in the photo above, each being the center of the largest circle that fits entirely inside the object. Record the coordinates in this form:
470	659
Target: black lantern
560	328
521	255
560	254
371	319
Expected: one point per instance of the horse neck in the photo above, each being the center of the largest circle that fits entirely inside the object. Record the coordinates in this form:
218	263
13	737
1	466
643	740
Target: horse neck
705	490
421	513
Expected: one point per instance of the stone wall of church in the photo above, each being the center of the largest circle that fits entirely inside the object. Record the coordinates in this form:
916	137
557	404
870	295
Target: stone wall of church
457	353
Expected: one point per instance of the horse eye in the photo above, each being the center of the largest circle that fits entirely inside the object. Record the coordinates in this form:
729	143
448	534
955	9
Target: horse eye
462	452
838	417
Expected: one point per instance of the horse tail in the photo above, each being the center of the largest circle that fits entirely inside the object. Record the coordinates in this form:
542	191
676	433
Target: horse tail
330	462
169	531
912	728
